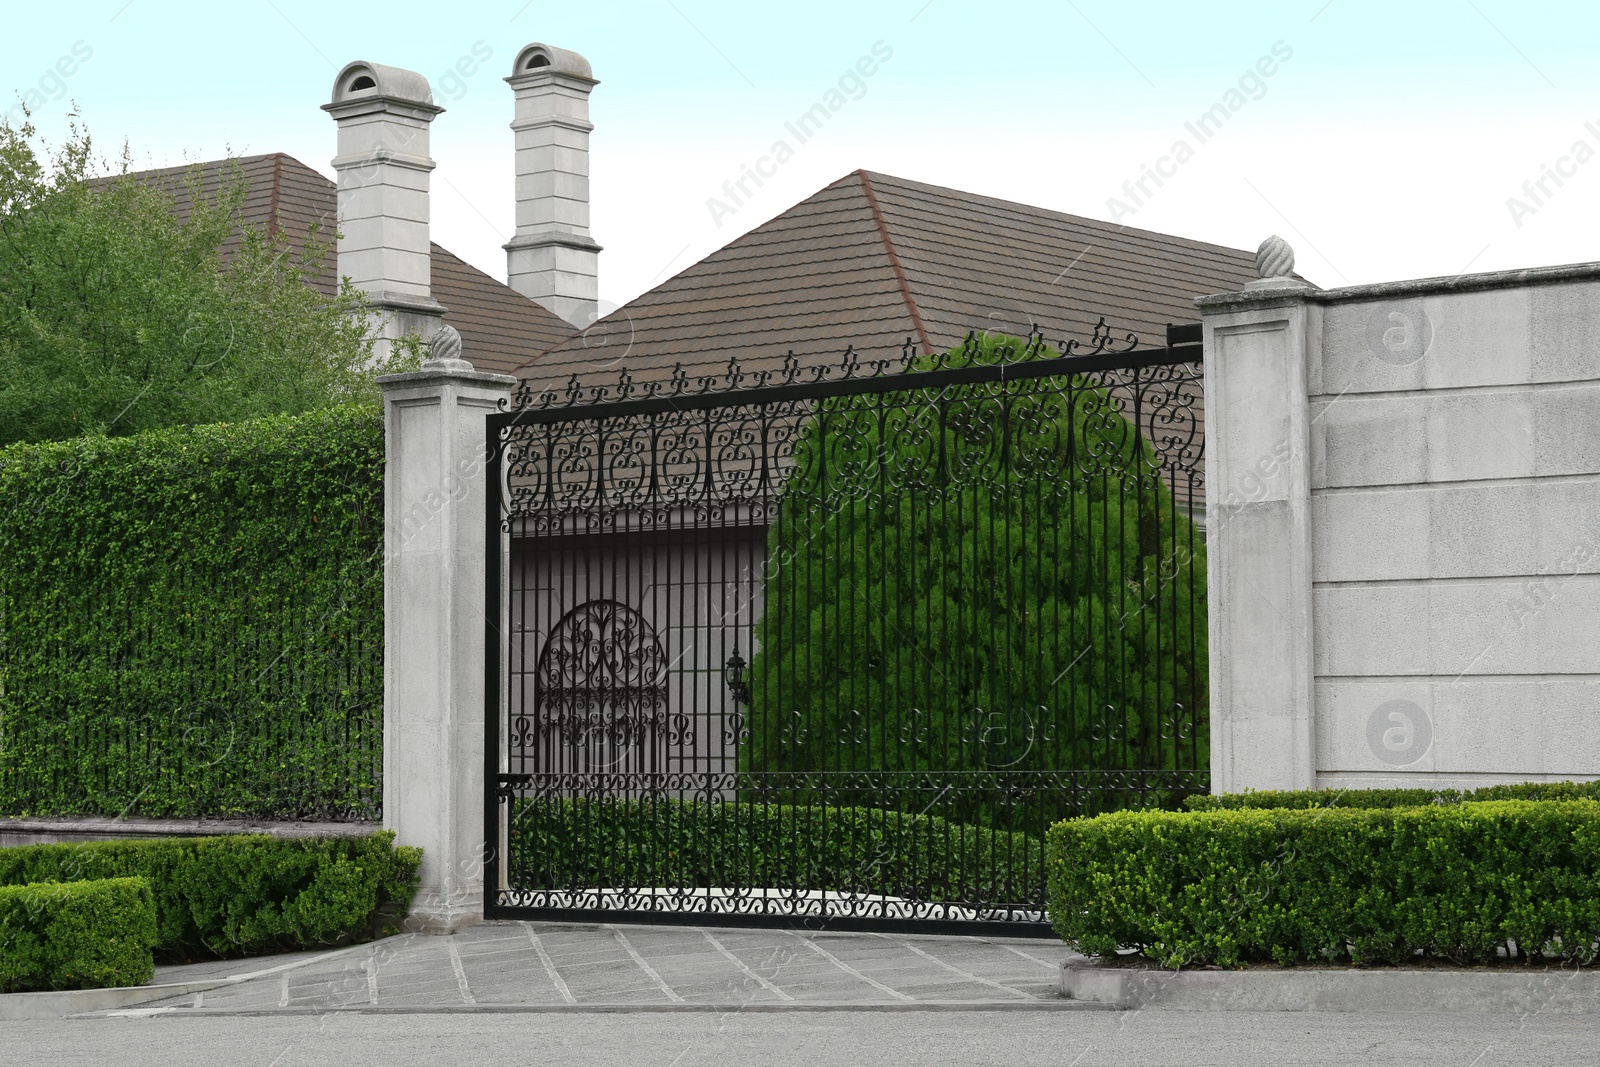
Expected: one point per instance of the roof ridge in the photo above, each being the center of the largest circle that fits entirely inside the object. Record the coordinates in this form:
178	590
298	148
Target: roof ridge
274	197
840	183
894	262
1111	228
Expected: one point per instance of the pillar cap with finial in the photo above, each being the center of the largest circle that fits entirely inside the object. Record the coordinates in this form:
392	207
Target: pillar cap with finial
446	349
445	363
1275	266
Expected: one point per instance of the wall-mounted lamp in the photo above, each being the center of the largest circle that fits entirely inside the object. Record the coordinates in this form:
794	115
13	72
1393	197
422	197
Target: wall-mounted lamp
733	673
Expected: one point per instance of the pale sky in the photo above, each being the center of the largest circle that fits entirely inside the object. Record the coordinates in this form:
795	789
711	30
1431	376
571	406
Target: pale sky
1386	145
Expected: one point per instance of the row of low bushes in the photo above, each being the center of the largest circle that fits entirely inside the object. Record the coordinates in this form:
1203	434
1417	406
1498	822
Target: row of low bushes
1392	798
191	621
76	935
241	895
580	843
1452	881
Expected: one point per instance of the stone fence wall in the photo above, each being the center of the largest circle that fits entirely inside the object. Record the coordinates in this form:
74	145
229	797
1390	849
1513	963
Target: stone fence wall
1404	530
76	831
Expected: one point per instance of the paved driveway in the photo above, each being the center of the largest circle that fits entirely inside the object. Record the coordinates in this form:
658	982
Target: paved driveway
513	966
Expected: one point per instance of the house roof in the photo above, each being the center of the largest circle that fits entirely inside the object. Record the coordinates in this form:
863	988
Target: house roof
872	260
500	328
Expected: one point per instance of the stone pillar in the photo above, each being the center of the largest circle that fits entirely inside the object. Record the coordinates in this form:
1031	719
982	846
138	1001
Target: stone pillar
434	574
1258	530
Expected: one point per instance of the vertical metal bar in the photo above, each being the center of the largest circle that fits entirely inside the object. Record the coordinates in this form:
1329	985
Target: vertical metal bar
1196	566
491	673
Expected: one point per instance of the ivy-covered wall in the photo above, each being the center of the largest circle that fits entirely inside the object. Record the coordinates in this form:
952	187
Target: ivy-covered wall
191	621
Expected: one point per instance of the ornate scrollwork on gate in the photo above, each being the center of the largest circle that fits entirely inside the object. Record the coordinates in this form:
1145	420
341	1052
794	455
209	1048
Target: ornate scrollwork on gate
602	678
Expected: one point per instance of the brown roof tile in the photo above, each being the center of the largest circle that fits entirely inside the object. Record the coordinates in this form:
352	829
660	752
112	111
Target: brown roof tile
873	260
815	279
500	328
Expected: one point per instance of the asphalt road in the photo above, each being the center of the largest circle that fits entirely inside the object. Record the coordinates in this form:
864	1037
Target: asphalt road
809	1039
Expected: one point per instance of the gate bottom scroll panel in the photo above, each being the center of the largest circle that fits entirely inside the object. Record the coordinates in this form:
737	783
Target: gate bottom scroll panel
761	902
793	845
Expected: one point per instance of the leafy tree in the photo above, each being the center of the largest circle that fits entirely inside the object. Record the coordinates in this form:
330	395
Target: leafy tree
991	579
117	316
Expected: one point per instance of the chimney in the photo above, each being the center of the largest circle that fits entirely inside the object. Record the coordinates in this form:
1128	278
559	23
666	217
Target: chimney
552	259
384	114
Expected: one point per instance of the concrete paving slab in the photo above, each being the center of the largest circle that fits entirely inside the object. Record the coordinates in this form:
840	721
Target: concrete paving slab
509	978
557	966
975	967
1524	991
176	983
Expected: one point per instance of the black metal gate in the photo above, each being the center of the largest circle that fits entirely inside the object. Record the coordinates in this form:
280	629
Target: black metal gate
837	645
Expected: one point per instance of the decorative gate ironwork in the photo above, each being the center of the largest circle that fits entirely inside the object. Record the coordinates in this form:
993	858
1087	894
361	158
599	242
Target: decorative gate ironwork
600	694
837	645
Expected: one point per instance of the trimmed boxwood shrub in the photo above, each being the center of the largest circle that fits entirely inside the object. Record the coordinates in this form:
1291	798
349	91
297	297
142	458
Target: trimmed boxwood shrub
1392	798
1455	882
987	579
191	621
76	935
579	843
247	894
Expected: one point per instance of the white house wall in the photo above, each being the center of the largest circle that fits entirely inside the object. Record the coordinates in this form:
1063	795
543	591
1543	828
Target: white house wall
698	589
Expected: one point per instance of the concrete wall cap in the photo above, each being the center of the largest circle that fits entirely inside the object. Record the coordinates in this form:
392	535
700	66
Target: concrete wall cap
97	826
544	59
431	374
361	80
1456	283
1279	295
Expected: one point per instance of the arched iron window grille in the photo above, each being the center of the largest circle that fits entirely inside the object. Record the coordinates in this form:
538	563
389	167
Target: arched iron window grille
601	685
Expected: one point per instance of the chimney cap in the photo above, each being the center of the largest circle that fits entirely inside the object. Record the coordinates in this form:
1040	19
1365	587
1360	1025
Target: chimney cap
360	81
546	59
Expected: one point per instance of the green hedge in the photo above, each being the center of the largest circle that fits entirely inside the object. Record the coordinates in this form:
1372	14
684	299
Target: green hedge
243	895
191	621
76	935
1393	798
1455	882
564	844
